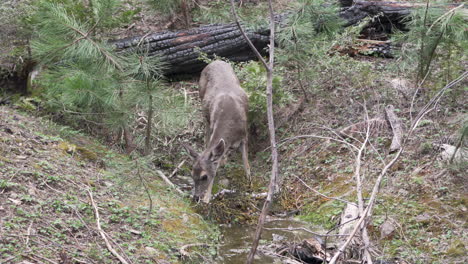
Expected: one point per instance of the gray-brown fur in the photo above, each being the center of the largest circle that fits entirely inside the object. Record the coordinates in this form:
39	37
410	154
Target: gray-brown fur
225	106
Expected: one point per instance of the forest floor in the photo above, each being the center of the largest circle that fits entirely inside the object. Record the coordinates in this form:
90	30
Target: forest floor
50	173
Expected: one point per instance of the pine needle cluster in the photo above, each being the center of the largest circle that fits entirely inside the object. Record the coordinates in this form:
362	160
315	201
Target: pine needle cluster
437	36
85	81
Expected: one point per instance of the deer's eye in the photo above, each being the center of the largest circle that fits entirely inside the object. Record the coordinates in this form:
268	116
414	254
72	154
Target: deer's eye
203	177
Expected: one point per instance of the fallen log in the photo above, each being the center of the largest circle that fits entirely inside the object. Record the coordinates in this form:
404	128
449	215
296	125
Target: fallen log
180	50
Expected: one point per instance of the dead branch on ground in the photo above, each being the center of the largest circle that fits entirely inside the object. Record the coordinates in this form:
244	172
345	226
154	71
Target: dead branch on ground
102	233
177	168
168	182
183	250
357	175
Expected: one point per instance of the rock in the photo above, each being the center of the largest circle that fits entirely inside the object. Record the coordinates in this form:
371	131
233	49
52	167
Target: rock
15	202
401	85
423	218
277	238
387	230
152	252
224	183
32	191
448	151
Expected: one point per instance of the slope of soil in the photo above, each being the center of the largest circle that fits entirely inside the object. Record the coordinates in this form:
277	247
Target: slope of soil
47	175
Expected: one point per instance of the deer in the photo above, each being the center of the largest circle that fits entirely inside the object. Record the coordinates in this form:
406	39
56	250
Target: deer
224	107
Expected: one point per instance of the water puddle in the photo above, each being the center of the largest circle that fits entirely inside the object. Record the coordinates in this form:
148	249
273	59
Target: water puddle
237	239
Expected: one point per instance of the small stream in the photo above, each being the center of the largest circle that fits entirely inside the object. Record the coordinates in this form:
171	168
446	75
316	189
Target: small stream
237	239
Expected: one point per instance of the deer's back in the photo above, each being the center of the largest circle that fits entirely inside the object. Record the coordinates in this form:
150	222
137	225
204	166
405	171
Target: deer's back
218	78
225	103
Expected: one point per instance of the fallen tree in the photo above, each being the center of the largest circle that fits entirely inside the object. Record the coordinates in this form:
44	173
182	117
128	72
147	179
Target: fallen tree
180	50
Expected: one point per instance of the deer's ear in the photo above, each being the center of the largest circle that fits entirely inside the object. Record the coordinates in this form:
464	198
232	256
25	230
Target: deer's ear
192	153
218	151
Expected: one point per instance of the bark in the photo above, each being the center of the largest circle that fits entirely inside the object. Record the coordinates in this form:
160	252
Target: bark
181	50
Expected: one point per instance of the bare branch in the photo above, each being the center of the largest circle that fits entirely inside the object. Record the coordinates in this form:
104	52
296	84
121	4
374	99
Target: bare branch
236	17
177	168
271	129
102	233
168	182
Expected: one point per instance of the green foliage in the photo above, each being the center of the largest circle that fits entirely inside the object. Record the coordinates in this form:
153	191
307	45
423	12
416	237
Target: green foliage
166	6
309	53
436	36
251	14
86	81
252	76
323	214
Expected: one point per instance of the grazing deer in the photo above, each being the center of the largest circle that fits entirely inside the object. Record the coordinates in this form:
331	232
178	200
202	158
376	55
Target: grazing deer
225	106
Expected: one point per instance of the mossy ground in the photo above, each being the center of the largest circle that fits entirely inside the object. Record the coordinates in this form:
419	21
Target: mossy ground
46	172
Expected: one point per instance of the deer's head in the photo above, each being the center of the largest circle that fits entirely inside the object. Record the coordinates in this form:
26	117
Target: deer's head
204	169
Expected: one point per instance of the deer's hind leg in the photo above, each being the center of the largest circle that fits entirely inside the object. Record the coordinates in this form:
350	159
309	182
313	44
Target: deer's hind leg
245	160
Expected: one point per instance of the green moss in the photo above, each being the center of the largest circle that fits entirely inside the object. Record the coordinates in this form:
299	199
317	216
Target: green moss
456	249
323	214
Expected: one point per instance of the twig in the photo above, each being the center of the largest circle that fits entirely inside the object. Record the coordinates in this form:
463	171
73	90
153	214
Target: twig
177	168
146	188
183	249
357	174
314	136
457	147
29	233
306	230
41	257
102	233
166	180
323	195
252	47
253	195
